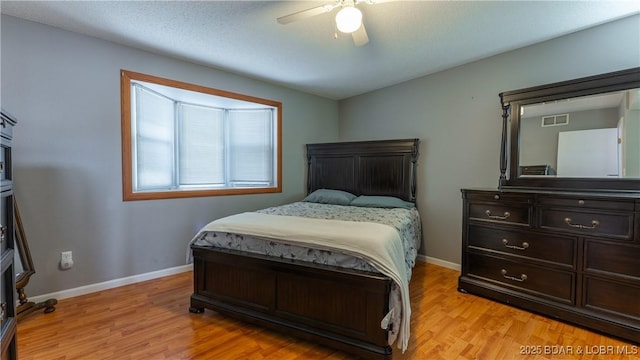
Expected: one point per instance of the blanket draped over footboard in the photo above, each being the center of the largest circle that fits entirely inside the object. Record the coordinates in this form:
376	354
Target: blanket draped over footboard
376	243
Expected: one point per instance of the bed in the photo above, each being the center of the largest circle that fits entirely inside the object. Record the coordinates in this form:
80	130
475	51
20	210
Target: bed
350	301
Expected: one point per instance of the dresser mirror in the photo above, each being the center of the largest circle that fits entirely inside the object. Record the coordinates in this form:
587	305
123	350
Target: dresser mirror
23	262
582	134
24	269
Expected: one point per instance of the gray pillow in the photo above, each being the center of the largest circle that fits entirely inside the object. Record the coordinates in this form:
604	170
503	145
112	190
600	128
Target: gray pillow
381	202
330	196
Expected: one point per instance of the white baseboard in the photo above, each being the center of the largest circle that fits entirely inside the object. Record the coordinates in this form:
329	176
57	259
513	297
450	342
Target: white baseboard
83	290
435	261
87	289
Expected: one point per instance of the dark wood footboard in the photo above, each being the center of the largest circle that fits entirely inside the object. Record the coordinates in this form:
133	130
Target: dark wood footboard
327	305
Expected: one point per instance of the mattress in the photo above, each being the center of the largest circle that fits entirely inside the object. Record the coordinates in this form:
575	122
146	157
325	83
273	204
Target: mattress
405	221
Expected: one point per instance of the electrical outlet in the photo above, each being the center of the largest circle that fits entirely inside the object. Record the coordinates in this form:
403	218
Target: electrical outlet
66	260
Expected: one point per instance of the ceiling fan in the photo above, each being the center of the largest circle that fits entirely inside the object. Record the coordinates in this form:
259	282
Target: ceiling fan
348	18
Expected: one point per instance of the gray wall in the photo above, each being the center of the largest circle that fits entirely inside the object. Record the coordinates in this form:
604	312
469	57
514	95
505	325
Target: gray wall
632	143
539	145
64	89
456	114
629	110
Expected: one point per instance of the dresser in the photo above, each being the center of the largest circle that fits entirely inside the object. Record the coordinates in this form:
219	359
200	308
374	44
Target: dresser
571	256
8	319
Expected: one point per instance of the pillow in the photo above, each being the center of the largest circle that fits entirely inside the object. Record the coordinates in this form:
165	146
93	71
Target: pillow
329	196
381	202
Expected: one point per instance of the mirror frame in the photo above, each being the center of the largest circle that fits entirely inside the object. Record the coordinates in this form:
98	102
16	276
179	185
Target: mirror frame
21	245
512	101
25	306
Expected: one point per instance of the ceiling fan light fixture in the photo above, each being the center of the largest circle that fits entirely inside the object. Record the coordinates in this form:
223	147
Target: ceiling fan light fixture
348	19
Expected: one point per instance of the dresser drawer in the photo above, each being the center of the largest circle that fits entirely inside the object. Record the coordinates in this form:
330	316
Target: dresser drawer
3	163
6	128
5	168
6	289
619	225
555	284
3	303
9	345
586	203
616	259
616	298
4	223
6	132
501	213
550	248
499	207
498	197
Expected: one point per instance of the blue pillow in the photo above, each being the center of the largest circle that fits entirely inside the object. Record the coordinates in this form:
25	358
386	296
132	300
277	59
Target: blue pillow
381	202
329	196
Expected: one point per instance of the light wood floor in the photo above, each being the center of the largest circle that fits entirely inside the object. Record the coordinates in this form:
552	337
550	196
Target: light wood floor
150	320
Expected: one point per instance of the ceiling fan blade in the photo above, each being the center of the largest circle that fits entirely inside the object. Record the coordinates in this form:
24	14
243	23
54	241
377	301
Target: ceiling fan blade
360	36
306	13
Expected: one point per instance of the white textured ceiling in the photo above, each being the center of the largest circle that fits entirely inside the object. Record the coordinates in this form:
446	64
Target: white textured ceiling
408	39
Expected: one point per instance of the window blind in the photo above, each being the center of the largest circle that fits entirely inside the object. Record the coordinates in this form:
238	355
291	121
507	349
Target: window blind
251	146
201	149
181	144
154	131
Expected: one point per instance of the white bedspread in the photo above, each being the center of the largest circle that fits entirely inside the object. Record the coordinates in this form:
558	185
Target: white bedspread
377	243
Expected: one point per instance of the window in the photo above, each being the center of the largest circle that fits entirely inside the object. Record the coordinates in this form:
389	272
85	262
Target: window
185	140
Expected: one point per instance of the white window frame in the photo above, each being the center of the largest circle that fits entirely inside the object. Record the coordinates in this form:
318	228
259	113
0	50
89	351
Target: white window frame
194	95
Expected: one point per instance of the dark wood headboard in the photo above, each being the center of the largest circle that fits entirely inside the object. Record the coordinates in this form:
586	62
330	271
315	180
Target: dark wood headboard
383	168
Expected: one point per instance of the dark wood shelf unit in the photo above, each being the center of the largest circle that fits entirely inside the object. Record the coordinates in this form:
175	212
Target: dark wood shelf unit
8	318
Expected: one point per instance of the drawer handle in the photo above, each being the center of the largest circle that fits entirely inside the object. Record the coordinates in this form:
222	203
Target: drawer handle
524	246
594	224
498	217
522	277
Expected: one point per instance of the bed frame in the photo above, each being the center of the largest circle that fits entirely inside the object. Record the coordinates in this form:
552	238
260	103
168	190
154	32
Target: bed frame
332	306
